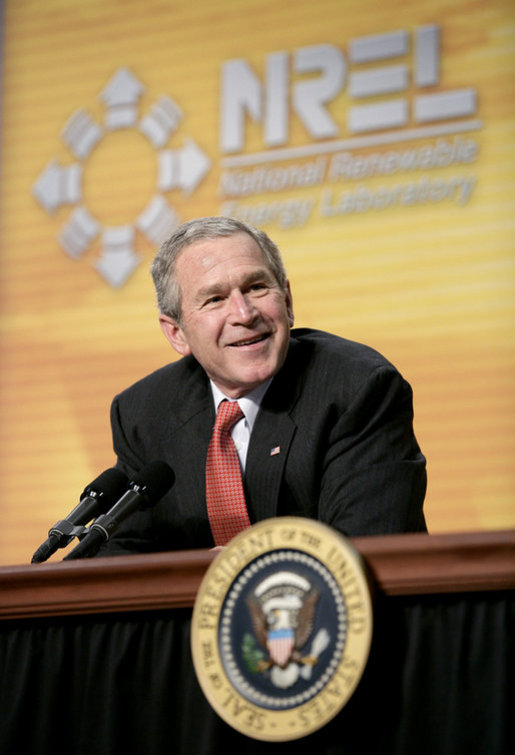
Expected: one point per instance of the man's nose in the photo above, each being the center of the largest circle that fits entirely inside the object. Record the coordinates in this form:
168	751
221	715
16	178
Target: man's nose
242	309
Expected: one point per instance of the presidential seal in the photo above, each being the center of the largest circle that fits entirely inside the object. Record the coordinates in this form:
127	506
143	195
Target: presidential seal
281	628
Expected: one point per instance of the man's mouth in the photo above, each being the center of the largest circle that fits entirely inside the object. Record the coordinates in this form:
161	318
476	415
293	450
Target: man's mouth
251	341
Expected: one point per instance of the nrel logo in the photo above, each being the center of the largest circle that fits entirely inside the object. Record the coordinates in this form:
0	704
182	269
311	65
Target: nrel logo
396	65
393	97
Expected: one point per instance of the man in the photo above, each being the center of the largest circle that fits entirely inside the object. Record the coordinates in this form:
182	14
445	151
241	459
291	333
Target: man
326	430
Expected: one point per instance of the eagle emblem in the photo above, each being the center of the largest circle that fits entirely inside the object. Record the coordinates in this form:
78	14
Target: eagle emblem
283	609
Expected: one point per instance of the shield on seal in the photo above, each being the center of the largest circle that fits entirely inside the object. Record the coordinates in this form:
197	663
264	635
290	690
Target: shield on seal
280	644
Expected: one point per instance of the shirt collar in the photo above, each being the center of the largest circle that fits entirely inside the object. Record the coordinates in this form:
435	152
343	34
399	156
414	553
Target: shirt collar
249	404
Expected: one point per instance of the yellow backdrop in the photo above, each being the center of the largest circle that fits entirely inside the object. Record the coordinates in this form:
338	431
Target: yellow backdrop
376	146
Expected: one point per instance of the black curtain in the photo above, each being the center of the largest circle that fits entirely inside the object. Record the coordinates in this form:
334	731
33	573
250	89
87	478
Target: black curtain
439	681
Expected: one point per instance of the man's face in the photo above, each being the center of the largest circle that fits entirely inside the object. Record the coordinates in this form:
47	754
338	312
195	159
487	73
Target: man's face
235	318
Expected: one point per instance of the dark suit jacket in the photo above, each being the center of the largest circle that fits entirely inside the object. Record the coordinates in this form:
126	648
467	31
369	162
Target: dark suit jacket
340	415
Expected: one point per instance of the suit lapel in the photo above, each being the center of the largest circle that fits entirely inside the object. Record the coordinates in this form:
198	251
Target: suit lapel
268	451
271	438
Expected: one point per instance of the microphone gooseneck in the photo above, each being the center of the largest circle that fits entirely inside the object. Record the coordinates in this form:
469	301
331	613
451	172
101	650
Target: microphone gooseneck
96	499
145	490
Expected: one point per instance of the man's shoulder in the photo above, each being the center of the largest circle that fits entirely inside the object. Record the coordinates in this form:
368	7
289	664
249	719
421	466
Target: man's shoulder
174	380
324	363
323	370
328	347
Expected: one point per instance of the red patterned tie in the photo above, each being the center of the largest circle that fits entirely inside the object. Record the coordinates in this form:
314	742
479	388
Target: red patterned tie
225	497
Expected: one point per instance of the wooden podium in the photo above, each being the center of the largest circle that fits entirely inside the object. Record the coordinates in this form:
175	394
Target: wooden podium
95	656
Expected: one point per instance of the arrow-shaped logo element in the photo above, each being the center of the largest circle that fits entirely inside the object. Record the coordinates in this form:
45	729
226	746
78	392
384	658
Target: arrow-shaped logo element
183	168
121	97
58	185
118	259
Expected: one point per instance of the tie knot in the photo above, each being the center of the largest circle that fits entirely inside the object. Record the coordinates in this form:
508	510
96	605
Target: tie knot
229	412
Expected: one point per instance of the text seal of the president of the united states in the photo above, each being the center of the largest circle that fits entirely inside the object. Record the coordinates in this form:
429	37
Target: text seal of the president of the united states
281	628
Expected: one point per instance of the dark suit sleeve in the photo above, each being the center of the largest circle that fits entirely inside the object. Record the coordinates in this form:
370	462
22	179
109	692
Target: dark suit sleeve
373	472
134	535
128	459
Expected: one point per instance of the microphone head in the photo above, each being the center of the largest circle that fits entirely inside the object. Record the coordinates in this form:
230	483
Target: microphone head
107	487
153	482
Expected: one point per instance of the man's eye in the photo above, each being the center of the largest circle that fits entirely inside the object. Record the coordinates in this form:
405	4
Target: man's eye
213	300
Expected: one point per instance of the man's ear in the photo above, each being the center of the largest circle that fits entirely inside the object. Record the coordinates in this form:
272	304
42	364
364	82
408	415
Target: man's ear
174	334
289	304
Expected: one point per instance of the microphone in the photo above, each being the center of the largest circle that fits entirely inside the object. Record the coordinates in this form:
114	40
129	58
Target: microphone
145	490
96	498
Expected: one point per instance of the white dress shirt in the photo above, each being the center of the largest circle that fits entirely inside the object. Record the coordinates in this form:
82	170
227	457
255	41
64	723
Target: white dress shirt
249	405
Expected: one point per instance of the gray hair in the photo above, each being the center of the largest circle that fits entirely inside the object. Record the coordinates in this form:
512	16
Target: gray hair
163	267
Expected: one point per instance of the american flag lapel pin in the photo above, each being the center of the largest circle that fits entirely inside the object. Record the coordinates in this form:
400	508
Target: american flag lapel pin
275	450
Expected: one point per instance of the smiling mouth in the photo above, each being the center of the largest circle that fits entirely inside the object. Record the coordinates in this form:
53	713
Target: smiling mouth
251	341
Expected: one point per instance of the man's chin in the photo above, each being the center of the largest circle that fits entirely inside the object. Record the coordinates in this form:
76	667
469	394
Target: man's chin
248	381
